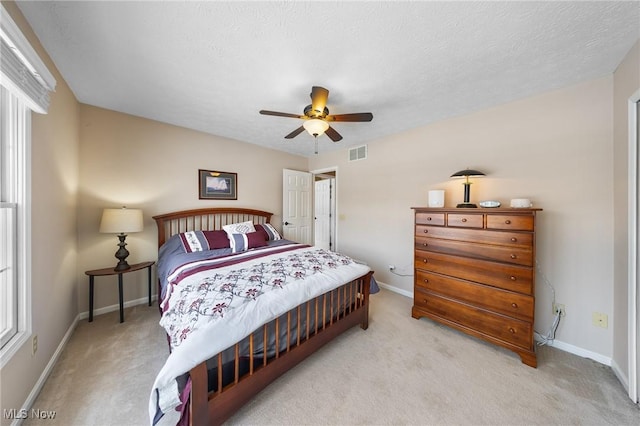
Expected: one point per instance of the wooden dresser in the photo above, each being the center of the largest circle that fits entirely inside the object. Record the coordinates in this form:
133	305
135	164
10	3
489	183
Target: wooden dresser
475	271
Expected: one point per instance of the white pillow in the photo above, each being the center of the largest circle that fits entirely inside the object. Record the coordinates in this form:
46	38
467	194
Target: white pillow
239	228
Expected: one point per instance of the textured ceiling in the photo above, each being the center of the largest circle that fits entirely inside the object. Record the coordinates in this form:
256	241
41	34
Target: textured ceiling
211	66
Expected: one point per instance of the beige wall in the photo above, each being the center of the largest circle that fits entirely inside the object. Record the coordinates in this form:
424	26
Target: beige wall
140	163
555	148
626	83
55	147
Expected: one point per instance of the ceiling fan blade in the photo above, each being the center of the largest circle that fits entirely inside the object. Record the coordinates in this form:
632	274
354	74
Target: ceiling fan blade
281	114
319	96
333	135
295	133
358	116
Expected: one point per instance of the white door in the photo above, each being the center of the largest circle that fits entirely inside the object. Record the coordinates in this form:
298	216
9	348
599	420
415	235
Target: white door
634	263
634	248
332	244
636	266
322	213
296	206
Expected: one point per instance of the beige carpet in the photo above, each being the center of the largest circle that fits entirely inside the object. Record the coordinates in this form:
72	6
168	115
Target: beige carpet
400	371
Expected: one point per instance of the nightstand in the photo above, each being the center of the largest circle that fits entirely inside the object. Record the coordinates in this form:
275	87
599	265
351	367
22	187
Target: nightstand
111	271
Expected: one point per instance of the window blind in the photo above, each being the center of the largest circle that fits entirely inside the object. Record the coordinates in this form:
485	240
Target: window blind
21	70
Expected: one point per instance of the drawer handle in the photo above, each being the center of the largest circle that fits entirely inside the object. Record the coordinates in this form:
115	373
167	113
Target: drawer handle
513	256
429	218
424	260
464	220
424	300
508	222
425	244
426	231
513	278
512	331
514	305
426	281
513	240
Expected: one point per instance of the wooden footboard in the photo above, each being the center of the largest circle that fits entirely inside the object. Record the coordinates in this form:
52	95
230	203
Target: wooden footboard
304	336
235	375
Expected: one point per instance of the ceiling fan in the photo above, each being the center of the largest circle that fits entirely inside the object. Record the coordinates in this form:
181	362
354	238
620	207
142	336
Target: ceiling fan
317	117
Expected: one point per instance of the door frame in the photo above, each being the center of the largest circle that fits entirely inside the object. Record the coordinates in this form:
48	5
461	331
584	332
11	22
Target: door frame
633	225
333	169
331	181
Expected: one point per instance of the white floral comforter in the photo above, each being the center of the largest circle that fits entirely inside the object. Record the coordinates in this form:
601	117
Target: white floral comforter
229	301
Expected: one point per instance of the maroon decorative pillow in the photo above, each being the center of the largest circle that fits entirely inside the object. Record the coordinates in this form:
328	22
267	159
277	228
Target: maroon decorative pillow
203	240
270	233
244	242
217	239
261	230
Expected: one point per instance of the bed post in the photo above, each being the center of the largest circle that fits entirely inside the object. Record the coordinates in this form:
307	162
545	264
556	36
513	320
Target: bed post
366	288
199	395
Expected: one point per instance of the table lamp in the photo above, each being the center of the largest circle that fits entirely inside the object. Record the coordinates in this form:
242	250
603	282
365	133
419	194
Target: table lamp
121	221
467	185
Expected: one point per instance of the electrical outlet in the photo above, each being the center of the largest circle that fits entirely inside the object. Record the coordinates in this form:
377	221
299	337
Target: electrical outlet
558	308
600	320
34	344
392	267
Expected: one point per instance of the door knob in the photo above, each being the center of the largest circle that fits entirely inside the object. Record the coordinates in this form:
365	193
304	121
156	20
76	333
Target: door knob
288	223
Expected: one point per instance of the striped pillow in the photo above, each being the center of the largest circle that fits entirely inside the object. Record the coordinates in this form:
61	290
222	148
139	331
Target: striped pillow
203	240
269	232
244	242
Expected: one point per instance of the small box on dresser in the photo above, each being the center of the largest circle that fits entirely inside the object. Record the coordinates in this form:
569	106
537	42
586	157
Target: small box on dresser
474	271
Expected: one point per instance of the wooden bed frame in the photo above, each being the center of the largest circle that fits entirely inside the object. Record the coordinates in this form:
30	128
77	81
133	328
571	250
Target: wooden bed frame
236	388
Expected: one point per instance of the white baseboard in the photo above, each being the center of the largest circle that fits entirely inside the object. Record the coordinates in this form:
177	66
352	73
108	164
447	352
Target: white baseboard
47	371
618	372
116	307
584	353
395	289
54	358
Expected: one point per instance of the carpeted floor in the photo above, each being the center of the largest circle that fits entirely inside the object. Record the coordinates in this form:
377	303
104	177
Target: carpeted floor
401	371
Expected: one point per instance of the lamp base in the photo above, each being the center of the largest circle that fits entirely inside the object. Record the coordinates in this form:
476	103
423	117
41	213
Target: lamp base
466	206
122	254
122	266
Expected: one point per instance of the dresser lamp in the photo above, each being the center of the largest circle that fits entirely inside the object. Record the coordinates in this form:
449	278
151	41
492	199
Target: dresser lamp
121	221
467	186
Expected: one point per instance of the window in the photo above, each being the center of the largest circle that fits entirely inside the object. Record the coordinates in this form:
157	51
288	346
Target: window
8	281
25	84
14	196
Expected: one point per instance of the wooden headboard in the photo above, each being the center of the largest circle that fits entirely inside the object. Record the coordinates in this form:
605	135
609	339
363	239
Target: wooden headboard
205	220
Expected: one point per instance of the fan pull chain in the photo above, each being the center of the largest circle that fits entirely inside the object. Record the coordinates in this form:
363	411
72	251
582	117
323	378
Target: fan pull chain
316	139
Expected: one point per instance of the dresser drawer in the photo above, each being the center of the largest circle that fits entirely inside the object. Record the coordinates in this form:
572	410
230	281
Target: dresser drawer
493	299
512	222
430	218
508	329
509	277
465	220
519	239
515	255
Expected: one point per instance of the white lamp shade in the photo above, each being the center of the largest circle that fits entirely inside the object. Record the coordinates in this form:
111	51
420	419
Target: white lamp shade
122	220
315	126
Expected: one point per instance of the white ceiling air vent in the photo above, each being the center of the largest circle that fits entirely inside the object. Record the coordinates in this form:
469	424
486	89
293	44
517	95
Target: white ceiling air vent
358	153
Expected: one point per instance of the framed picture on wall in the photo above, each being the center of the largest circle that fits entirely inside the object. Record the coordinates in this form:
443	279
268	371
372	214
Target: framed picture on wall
214	185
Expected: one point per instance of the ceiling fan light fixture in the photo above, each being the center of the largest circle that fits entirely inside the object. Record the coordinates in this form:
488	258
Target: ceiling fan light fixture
317	118
315	126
